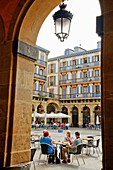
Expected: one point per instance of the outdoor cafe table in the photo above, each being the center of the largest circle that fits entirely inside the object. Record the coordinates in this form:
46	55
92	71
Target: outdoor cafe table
60	143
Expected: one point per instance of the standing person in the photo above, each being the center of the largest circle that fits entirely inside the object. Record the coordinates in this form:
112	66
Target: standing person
71	148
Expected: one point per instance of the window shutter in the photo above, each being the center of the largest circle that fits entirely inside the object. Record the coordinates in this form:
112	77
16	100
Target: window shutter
88	59
88	89
54	67
55	80
80	74
88	73
92	73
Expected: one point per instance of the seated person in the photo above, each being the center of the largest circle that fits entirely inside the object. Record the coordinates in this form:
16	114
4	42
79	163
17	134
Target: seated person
71	148
47	139
68	138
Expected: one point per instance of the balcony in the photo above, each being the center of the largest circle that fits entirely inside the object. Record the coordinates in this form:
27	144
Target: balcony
43	94
83	65
77	80
40	76
80	96
43	63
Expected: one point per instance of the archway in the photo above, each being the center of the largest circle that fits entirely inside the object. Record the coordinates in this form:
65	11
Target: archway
97	113
86	116
18	25
51	108
75	116
65	111
33	108
40	108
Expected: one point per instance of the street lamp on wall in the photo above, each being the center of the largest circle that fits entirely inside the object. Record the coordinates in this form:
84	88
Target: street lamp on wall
62	21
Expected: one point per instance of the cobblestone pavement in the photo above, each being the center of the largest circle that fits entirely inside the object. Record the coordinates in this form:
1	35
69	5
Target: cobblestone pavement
92	161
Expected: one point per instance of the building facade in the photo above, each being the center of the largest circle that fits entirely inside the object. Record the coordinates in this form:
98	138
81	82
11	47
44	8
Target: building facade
70	83
75	77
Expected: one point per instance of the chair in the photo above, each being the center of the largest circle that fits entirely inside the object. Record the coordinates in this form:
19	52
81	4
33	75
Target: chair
33	150
78	153
44	151
90	143
96	146
33	141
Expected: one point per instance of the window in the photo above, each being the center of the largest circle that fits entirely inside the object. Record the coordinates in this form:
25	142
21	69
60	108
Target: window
97	58
52	68
97	73
64	64
53	81
64	93
97	89
85	60
85	74
74	62
42	57
51	92
64	77
40	87
41	72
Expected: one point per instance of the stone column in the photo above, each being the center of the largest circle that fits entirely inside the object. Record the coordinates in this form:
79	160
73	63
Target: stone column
80	118
107	87
92	114
16	82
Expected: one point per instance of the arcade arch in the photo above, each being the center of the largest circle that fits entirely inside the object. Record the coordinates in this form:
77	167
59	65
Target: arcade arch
86	116
21	24
75	116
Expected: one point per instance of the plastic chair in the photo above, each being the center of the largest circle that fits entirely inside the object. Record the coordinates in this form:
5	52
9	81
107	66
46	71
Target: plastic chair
77	153
90	143
96	146
44	151
33	150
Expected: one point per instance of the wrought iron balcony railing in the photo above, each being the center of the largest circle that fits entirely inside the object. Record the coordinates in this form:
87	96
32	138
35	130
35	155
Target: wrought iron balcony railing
43	94
40	76
80	95
44	63
71	67
85	79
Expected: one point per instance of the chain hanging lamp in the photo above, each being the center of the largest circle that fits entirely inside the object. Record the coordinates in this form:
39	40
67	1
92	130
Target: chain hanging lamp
62	21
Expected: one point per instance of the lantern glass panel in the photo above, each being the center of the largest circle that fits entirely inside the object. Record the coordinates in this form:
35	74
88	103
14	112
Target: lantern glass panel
58	26
66	26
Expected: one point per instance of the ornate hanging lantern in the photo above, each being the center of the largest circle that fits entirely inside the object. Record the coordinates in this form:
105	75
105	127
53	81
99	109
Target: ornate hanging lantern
62	22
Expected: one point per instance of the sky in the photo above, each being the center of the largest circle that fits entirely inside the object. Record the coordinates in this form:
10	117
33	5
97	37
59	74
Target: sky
82	31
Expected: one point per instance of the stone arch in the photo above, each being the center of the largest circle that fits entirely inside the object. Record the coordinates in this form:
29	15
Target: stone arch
52	107
86	116
97	112
33	108
40	108
14	28
65	111
75	116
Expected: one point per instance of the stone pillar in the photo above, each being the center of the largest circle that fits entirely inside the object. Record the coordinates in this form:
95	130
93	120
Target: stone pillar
16	74
70	114
80	118
92	120
107	87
